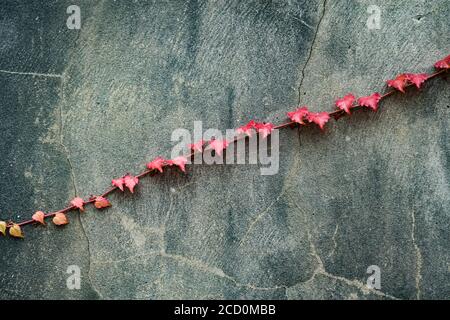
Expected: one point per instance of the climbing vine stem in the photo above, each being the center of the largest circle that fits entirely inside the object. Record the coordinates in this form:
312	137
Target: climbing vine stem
299	117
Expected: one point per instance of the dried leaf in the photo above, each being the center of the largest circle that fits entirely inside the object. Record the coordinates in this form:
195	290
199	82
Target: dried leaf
15	231
3	227
39	216
101	202
60	219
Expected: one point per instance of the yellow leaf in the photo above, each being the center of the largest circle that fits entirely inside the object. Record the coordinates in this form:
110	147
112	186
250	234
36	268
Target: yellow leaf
60	219
3	227
15	231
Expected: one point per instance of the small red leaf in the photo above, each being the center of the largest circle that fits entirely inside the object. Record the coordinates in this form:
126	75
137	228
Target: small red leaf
398	83
370	101
319	118
101	202
443	64
198	146
218	145
118	183
264	128
78	203
39	217
157	164
346	103
60	219
417	78
299	115
130	182
179	161
248	129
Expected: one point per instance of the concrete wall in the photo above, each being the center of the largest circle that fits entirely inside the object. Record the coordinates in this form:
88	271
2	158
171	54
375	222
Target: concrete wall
79	107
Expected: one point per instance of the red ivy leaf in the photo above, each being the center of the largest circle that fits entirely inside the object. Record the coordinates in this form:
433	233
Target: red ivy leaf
299	115
157	164
60	219
264	128
218	145
101	202
398	83
370	101
118	183
179	161
319	118
38	217
198	146
346	103
78	203
444	63
130	182
247	129
417	78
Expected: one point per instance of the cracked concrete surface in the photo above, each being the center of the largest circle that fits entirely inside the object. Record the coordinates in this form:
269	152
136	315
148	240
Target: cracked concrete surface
34	74
316	31
320	268
418	254
81	107
72	177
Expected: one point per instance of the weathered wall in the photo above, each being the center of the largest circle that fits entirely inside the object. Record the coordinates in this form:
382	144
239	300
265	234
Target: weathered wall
79	107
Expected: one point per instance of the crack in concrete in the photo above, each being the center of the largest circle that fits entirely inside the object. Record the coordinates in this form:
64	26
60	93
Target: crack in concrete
311	51
350	282
259	217
166	220
61	136
320	269
307	62
72	175
302	22
197	265
334	241
216	271
201	266
34	74
418	277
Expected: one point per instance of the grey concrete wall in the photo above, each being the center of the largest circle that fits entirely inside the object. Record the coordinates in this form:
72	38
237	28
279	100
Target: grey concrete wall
79	107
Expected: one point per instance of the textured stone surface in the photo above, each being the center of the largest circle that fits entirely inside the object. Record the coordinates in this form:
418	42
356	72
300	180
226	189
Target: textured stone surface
81	106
